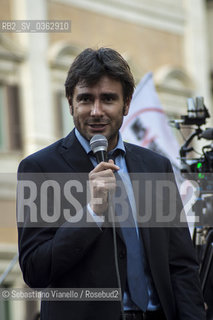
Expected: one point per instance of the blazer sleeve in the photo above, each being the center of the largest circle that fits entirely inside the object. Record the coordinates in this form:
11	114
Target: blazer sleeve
185	276
46	253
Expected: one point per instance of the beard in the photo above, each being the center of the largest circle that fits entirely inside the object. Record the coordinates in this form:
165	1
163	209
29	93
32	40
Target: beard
111	133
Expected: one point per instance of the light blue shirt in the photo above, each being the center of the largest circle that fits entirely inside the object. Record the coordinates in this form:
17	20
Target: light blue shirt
153	303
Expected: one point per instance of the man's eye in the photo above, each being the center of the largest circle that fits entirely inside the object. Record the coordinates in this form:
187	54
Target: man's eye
85	99
108	99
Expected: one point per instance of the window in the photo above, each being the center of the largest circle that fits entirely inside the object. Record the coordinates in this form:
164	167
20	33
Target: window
10	124
61	55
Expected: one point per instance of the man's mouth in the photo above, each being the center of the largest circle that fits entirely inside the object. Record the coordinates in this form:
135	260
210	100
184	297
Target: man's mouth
99	125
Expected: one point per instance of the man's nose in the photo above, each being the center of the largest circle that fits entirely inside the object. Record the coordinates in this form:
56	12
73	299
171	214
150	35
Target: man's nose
97	109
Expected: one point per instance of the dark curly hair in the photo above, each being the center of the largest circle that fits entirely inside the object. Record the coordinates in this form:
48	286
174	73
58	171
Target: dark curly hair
90	65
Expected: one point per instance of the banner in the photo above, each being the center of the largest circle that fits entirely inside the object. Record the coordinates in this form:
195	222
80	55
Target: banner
147	125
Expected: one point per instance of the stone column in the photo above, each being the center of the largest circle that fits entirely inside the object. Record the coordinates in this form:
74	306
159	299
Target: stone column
37	109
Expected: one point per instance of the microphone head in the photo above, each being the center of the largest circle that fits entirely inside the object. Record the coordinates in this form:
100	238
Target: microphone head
98	143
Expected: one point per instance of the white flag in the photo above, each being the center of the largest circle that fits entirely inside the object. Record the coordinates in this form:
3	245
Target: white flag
147	124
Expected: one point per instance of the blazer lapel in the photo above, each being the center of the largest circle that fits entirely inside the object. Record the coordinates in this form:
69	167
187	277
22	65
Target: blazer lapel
134	161
75	155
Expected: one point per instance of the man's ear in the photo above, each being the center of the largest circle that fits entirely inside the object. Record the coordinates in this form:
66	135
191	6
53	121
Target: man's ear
71	110
70	105
126	107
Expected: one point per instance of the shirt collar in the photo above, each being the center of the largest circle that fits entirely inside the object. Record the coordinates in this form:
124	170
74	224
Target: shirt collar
85	143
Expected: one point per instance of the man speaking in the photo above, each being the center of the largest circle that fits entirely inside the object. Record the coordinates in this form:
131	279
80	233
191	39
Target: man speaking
155	268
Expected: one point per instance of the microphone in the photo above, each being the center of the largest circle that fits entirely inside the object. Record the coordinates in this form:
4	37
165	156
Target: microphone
207	134
99	145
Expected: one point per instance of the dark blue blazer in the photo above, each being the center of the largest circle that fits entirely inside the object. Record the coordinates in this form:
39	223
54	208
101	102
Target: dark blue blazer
83	257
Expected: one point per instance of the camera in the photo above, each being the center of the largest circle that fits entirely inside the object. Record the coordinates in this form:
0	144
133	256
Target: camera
200	169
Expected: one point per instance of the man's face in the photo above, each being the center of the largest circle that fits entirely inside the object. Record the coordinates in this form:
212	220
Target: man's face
99	109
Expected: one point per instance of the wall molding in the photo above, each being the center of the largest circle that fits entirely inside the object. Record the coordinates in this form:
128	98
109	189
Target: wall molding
163	15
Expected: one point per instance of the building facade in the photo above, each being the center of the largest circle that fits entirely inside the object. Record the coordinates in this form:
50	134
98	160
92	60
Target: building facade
171	38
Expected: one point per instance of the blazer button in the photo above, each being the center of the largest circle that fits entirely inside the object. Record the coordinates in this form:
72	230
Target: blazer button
122	254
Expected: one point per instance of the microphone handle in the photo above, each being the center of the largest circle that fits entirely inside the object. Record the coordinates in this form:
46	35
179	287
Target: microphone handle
101	155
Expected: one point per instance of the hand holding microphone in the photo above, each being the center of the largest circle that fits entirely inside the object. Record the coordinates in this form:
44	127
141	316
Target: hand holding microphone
102	179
